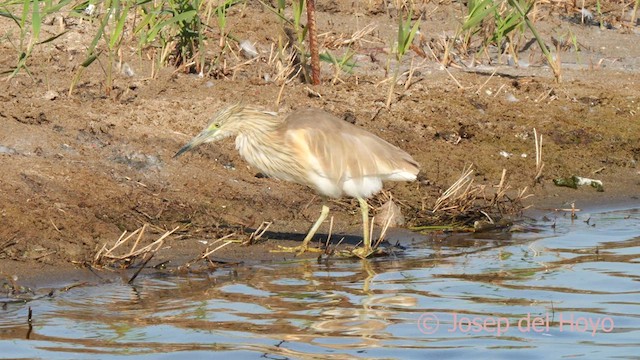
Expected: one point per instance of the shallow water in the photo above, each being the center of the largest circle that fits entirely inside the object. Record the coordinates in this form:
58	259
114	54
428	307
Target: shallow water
569	289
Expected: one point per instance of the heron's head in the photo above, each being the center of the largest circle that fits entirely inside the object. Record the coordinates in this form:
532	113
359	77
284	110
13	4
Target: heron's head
225	123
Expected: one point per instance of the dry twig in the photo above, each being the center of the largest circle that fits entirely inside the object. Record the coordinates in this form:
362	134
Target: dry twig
109	256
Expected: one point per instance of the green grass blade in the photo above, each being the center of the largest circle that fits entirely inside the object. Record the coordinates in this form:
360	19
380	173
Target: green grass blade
344	63
25	11
50	9
23	20
36	23
477	14
510	24
185	16
147	19
6	13
92	47
412	34
50	39
90	59
406	33
401	30
117	33
278	14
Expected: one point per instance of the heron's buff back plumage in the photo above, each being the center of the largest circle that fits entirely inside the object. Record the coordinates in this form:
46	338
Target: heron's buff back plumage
343	158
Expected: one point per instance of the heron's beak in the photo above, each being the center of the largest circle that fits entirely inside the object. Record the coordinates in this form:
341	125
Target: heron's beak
195	142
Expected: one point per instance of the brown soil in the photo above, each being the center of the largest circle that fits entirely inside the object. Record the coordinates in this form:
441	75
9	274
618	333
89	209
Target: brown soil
78	170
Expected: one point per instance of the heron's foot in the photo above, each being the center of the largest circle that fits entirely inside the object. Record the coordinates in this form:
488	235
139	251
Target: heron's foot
300	249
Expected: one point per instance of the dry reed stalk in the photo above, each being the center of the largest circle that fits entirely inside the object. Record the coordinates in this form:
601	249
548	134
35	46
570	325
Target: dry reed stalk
445	63
501	190
257	234
572	210
464	180
539	163
283	64
486	82
245	63
285	72
121	240
407	84
207	252
326	245
383	232
227	242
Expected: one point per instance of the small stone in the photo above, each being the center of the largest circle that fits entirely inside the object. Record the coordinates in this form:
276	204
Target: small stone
389	213
511	98
51	95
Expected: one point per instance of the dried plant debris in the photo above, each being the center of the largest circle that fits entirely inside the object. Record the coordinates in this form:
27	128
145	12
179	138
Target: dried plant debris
11	291
466	206
118	256
575	181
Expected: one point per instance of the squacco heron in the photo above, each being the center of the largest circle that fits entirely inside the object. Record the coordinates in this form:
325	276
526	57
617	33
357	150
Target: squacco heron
313	148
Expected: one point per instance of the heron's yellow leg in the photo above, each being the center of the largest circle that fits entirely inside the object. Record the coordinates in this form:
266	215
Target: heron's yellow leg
305	243
366	237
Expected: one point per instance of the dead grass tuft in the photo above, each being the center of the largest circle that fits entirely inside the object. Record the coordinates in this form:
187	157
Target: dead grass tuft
465	203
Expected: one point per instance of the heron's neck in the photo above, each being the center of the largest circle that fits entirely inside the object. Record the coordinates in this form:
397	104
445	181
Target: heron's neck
256	121
266	151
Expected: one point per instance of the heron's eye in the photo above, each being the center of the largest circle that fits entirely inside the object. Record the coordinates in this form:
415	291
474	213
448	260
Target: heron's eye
216	125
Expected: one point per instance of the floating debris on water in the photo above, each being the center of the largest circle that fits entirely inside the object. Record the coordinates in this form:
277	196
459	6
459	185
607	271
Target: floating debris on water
484	225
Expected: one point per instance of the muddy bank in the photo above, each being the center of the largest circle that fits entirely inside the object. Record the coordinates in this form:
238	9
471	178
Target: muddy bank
79	173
